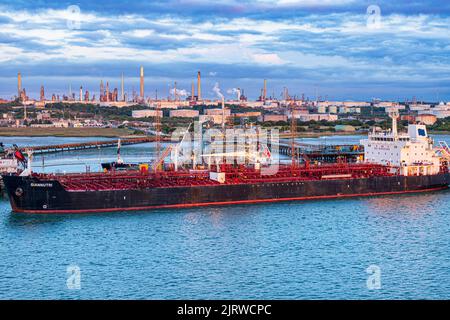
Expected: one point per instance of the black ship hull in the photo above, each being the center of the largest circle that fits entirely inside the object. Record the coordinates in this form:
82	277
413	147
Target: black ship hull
32	195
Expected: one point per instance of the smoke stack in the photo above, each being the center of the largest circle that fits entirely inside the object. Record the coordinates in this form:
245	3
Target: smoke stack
142	83
175	91
123	91
192	91
199	87
42	98
265	90
81	93
19	85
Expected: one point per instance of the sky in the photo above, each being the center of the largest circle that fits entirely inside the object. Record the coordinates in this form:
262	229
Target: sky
333	49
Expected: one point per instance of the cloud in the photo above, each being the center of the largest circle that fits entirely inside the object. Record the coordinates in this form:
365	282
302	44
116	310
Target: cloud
241	41
267	58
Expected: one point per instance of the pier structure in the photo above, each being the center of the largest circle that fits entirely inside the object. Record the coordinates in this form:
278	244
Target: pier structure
87	145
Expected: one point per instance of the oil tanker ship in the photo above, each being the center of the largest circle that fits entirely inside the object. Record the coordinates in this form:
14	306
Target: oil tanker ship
394	164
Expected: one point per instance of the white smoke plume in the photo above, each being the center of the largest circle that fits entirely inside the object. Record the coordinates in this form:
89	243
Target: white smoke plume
216	89
234	91
180	92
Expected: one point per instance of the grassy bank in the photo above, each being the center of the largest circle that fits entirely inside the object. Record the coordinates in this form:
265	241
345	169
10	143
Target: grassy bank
64	132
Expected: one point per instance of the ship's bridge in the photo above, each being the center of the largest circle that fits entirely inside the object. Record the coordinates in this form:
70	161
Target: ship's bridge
412	152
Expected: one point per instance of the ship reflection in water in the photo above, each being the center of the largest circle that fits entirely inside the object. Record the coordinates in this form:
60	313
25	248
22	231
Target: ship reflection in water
409	206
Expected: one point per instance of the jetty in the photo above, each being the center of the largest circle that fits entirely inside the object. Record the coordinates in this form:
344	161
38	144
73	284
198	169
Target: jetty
46	149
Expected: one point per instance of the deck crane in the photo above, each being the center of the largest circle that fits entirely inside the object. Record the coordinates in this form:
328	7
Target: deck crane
444	150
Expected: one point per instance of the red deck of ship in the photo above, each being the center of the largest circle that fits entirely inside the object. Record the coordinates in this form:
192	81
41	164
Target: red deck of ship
122	180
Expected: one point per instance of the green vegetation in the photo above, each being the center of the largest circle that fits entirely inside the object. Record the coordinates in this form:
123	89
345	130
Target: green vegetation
11	104
441	125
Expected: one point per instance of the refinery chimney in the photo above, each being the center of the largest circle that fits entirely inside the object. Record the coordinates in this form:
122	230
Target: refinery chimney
122	96
175	91
142	83
19	85
42	96
192	91
199	87
264	95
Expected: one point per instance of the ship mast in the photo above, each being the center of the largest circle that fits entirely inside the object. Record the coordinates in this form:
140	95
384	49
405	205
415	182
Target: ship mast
394	116
293	131
158	132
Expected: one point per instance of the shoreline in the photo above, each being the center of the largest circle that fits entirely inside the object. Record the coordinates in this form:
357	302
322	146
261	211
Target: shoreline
118	133
64	132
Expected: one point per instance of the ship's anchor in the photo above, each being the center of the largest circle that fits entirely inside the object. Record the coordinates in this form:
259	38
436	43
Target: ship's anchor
19	192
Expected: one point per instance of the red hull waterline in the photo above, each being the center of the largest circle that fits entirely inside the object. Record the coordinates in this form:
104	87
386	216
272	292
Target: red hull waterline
226	203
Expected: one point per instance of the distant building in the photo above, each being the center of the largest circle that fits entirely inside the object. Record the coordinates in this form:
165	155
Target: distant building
346	109
43	116
317	117
216	119
247	114
440	111
184	113
218	111
419	107
146	113
166	104
274	117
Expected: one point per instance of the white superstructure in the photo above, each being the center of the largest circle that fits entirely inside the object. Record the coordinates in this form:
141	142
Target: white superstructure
8	166
412	153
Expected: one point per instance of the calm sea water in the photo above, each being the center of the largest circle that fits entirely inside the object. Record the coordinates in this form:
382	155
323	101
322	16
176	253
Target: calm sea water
296	250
